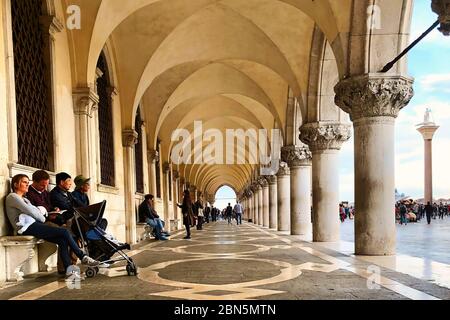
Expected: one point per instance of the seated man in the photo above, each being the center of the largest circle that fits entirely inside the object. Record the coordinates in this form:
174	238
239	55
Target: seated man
148	214
61	198
81	198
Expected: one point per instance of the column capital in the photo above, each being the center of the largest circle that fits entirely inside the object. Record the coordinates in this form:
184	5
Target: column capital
374	95
442	9
271	179
255	187
166	167
182	180
51	24
175	174
283	170
262	182
85	101
129	138
325	135
153	156
296	156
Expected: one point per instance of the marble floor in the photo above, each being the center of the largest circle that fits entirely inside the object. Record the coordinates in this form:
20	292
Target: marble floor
229	262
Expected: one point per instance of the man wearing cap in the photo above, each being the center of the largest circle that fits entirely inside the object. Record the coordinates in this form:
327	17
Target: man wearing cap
82	187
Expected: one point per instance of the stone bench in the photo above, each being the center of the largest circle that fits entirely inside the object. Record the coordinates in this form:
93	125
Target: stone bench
144	231
26	255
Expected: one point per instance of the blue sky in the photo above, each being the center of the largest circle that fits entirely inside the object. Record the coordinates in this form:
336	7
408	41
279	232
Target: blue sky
429	64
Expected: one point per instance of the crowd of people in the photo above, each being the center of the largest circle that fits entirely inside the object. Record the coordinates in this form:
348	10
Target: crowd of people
412	211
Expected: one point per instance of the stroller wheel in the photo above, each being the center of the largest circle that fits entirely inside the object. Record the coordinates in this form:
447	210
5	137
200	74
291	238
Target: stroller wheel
131	269
90	272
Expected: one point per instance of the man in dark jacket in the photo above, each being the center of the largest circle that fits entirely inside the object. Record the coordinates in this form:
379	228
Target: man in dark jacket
429	211
61	197
148	214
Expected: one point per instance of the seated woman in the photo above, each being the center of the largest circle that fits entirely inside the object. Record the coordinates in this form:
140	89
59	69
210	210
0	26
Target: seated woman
28	220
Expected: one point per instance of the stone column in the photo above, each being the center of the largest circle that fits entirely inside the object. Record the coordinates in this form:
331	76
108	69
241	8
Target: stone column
261	182
175	195
273	202
129	139
373	102
251	218
428	129
284	197
325	140
167	214
265	194
299	161
255	189
85	103
152	156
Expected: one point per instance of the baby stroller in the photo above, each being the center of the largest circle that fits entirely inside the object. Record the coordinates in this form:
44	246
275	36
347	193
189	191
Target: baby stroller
97	243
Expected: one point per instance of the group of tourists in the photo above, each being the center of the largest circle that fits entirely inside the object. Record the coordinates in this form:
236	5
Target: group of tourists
34	211
412	211
346	212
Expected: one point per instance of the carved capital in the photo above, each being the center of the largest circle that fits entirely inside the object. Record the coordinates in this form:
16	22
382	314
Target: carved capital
175	174
129	138
374	95
262	182
271	179
442	9
166	168
255	187
153	156
296	156
325	135
51	25
85	102
283	170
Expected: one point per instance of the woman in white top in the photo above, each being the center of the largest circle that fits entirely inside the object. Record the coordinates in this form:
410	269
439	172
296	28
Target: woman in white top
29	221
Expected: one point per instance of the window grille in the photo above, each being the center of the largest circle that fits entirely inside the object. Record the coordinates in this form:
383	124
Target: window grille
138	156
34	113
105	123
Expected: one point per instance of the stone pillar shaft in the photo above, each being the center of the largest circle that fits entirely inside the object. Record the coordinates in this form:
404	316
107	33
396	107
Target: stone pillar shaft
266	206
284	198
273	203
373	102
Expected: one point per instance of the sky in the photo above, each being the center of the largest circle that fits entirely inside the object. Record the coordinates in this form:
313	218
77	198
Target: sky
429	64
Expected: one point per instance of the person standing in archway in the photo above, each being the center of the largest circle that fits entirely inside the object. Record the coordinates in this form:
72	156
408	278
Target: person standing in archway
188	214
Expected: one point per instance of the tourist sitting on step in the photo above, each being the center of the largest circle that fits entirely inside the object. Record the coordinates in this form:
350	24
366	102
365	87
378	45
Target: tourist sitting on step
148	214
29	220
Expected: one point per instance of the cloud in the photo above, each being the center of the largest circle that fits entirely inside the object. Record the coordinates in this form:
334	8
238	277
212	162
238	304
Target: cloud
436	82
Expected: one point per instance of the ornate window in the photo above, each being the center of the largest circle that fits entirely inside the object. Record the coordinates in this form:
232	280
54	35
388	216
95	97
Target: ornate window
105	124
32	85
158	170
138	156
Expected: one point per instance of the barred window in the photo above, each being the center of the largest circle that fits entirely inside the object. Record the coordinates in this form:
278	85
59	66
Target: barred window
32	85
158	170
138	156
105	123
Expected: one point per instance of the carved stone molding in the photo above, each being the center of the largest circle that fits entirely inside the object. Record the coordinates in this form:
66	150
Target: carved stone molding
153	156
129	138
296	156
442	8
325	135
283	170
374	95
85	101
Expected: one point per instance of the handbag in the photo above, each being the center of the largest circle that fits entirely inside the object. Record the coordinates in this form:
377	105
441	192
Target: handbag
200	212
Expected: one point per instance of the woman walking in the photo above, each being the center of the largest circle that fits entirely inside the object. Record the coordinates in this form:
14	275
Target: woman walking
188	215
